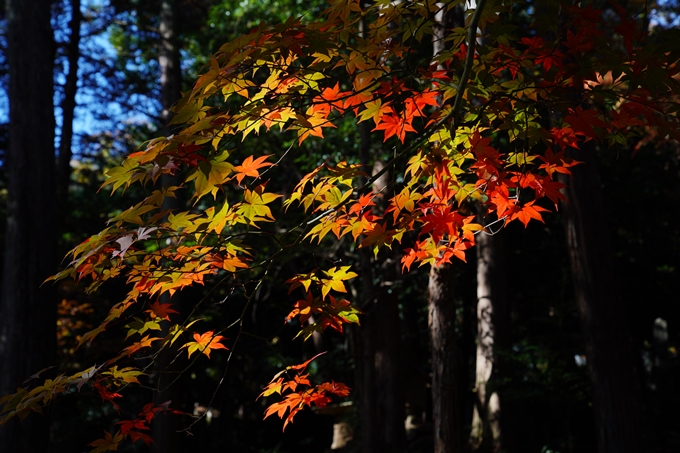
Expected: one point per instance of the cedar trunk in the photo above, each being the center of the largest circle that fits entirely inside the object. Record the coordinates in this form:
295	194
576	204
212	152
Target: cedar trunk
492	322
616	393
68	107
27	309
446	416
166	428
449	369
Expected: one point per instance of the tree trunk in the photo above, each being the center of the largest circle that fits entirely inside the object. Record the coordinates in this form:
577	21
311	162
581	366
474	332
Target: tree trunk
617	401
388	383
492	321
27	309
446	419
381	387
68	106
448	370
166	427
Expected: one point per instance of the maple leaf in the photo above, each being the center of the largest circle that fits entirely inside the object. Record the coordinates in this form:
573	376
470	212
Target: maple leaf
304	364
338	388
304	308
582	121
150	410
108	443
528	212
106	394
440	221
158	310
254	207
127	374
143	343
136	435
251	167
276	386
375	110
404	200
334	279
377	235
395	125
204	343
127	425
458	250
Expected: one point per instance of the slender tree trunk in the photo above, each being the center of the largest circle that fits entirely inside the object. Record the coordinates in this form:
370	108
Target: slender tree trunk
492	321
365	346
448	369
617	398
388	384
169	60
446	419
382	400
165	428
68	106
27	309
379	375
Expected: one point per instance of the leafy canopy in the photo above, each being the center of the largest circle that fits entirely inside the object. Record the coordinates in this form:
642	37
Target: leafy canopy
488	123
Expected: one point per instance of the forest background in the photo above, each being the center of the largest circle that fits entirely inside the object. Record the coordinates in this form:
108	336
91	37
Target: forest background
106	97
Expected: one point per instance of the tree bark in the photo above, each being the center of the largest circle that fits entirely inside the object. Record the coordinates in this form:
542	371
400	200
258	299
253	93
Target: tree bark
448	370
492	321
446	420
381	386
68	106
27	309
166	427
617	401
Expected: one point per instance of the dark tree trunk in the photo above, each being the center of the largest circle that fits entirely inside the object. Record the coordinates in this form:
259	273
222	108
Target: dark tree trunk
27	309
169	60
388	369
381	387
448	367
166	427
68	106
617	401
446	415
492	322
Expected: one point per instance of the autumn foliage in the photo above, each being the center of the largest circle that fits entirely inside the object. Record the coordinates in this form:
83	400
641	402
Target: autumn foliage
489	124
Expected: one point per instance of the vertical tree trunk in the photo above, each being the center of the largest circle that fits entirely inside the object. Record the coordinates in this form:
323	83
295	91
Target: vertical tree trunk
616	394
448	370
382	400
68	106
169	60
492	321
165	428
27	309
390	411
366	350
446	419
379	374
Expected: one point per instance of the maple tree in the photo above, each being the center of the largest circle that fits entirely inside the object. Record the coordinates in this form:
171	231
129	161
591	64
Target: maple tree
488	123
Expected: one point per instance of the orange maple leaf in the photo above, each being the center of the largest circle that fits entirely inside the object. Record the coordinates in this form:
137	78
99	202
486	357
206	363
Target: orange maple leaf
250	167
205	343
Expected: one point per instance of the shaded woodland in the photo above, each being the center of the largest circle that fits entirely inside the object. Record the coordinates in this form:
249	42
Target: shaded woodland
563	336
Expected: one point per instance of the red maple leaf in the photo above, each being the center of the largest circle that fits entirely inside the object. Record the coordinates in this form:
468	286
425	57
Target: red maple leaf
395	125
160	310
106	394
